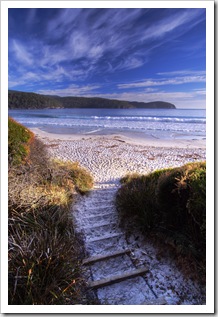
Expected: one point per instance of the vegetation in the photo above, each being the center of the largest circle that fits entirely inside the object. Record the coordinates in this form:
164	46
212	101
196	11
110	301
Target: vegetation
169	204
18	141
44	252
24	100
82	180
29	100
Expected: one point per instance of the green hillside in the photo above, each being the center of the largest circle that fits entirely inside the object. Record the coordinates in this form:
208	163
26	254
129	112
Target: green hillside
27	100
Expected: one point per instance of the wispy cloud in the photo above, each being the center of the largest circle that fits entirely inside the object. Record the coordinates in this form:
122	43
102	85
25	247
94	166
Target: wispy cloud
51	76
169	24
31	16
192	99
163	82
96	35
21	53
72	90
70	51
185	77
184	72
101	37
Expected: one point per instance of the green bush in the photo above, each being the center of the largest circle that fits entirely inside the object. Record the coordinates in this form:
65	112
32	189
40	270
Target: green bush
18	140
137	198
171	202
181	196
172	198
196	204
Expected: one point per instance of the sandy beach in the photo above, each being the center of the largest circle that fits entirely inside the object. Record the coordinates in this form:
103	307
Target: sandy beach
109	157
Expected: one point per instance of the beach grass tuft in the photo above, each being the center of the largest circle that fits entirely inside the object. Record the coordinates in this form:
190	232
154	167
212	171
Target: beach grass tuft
44	252
80	177
170	204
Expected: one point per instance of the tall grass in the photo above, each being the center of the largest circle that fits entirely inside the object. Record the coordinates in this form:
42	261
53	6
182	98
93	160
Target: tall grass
44	252
170	204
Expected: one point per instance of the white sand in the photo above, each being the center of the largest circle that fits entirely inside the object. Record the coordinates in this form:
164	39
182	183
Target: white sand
128	138
109	158
112	156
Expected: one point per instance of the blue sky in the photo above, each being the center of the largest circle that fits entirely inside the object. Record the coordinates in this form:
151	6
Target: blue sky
127	54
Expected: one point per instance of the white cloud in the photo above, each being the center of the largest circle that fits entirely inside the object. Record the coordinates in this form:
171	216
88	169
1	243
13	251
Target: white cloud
163	82
111	36
21	53
192	99
62	23
169	24
183	72
179	99
130	62
90	35
31	16
72	90
96	52
80	43
200	91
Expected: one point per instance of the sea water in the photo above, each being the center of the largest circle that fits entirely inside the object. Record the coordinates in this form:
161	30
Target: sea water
155	123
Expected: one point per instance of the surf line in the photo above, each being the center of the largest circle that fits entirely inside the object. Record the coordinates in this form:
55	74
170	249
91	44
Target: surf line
93	131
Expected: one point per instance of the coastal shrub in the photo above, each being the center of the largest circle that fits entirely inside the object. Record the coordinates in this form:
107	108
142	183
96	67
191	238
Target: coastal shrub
137	198
44	251
81	178
171	195
196	204
18	140
181	197
170	203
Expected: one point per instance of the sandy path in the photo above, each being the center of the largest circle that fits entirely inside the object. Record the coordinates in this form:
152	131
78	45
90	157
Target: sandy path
96	218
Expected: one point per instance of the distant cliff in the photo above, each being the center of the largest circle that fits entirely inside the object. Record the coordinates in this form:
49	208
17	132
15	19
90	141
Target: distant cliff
27	100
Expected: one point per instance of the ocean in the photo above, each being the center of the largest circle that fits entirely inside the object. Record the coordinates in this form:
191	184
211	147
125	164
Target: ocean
154	123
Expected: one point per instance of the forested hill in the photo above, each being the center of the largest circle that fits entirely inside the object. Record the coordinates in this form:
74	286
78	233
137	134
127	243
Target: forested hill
27	100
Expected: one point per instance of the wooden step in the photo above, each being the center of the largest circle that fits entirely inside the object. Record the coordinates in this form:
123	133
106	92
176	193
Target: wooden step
101	207
157	301
117	278
97	258
101	225
115	235
109	189
113	214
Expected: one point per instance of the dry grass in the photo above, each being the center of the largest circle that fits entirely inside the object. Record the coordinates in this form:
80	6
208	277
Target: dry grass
72	171
44	252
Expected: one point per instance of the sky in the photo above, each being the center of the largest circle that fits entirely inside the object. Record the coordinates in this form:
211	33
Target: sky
126	54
